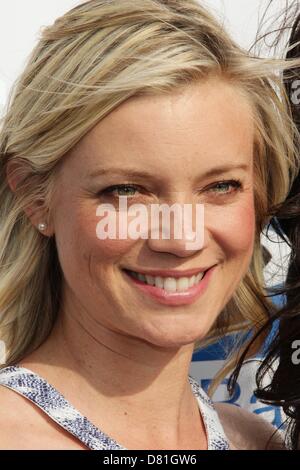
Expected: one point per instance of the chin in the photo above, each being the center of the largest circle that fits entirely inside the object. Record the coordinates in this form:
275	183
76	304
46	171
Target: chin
174	339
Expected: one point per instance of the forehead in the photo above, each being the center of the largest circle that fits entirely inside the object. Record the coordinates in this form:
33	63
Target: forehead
209	120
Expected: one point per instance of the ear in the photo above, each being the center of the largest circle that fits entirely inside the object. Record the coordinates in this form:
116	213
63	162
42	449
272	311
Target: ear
37	213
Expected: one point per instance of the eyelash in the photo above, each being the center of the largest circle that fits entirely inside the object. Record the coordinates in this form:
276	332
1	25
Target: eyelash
111	189
236	184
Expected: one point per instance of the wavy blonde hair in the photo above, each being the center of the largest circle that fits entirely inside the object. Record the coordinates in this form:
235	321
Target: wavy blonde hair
86	64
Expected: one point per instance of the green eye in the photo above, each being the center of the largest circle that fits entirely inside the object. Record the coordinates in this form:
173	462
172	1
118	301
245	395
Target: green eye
223	187
121	190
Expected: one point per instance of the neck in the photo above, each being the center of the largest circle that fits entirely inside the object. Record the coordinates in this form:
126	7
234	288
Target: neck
119	373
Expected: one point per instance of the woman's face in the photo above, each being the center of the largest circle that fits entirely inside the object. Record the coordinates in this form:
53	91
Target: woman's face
194	146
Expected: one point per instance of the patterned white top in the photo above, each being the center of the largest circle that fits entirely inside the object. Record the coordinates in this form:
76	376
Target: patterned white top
36	389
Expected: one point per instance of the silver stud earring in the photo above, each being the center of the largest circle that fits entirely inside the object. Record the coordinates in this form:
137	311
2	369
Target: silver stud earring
42	226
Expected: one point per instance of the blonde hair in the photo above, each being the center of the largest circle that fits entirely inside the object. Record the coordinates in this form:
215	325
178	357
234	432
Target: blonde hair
87	63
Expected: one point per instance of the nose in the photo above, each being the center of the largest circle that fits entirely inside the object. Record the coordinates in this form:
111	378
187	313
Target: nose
183	234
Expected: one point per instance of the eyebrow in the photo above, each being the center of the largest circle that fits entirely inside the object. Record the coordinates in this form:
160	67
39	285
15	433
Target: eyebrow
131	172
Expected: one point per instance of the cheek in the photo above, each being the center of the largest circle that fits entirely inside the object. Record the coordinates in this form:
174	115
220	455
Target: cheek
78	244
233	228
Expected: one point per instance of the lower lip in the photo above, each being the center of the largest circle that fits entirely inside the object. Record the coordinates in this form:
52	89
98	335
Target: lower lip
174	298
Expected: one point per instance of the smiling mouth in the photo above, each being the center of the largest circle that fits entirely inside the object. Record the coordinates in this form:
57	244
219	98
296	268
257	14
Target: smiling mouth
168	284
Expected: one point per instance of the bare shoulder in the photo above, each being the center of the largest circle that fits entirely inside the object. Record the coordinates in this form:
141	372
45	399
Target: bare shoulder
24	426
10	412
248	431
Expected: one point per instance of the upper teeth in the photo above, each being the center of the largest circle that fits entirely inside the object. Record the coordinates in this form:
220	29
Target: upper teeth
170	284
